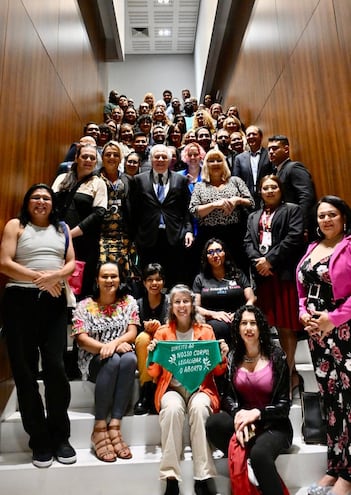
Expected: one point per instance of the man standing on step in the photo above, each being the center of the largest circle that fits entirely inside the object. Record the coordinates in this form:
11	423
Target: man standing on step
160	201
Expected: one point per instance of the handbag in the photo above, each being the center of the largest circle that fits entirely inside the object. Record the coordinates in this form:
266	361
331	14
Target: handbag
75	280
314	426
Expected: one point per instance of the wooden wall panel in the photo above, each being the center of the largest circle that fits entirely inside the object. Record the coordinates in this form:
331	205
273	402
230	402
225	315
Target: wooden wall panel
51	85
295	79
3	18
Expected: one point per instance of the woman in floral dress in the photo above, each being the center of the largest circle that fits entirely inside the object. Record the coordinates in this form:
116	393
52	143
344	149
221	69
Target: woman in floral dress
115	243
324	288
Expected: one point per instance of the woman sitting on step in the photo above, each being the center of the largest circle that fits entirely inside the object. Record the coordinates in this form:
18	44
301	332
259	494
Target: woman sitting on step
153	312
105	328
254	421
174	401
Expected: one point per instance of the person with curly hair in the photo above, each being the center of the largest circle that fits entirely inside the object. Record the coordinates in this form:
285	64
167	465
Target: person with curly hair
255	403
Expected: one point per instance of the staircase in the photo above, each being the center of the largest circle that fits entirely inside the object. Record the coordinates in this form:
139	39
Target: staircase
302	465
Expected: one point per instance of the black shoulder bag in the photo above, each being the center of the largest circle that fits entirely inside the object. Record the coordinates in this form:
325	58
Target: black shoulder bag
314	428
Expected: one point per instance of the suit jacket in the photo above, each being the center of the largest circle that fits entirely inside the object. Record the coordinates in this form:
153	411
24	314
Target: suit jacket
287	239
340	277
242	169
298	187
147	209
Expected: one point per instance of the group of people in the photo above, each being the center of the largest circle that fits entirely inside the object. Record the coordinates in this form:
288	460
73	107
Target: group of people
224	249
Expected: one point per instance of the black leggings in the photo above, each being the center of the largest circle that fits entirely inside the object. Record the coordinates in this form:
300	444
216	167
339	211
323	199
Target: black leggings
35	321
264	450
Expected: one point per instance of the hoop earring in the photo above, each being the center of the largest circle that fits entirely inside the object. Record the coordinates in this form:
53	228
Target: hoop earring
319	233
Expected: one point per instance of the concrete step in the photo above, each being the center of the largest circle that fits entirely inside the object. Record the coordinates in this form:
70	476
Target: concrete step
137	430
138	475
299	467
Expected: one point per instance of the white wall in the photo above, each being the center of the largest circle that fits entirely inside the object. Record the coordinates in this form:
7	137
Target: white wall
203	40
140	74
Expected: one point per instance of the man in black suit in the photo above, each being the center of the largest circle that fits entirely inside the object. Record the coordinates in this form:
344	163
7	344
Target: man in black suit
223	144
160	209
252	165
296	179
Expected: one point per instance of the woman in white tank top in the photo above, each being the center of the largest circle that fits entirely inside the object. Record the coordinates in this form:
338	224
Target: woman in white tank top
37	259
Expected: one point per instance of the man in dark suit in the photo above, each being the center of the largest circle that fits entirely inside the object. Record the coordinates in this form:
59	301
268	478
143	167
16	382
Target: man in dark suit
223	144
252	165
296	179
160	209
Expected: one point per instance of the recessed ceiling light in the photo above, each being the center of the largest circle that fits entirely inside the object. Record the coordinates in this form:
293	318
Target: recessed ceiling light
164	32
164	2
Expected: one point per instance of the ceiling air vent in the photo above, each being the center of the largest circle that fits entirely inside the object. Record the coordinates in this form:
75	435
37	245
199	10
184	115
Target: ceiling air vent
140	32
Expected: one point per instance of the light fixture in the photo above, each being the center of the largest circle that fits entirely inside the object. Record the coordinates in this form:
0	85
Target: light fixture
164	32
163	2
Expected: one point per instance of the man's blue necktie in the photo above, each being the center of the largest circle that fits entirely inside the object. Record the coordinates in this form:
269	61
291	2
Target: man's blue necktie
160	189
161	197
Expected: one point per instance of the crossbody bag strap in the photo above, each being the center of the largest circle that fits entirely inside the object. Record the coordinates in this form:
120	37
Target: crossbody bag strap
74	189
65	231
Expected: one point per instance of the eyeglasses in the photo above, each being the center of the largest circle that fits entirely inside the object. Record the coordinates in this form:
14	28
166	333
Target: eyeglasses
135	162
212	252
88	157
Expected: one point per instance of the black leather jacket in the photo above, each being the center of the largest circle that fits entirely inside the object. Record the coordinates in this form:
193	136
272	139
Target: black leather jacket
276	414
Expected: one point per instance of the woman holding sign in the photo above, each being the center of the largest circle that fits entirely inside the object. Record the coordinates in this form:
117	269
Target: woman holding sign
179	393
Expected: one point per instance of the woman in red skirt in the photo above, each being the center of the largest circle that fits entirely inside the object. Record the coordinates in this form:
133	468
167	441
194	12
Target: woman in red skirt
273	243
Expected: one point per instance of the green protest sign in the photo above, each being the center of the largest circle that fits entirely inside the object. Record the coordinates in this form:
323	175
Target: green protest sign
188	361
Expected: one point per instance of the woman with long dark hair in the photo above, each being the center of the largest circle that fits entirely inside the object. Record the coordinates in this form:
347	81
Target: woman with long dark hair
274	243
324	289
37	258
105	327
220	288
255	403
82	200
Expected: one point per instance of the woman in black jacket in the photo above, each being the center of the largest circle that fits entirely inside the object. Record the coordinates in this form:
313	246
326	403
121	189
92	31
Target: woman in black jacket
274	243
255	403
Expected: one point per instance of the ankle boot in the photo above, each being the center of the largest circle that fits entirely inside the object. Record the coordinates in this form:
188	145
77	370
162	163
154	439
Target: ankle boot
141	406
205	487
172	487
150	388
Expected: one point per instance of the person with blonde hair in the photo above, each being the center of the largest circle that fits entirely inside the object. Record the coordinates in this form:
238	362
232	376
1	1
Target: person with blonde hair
202	118
219	202
150	100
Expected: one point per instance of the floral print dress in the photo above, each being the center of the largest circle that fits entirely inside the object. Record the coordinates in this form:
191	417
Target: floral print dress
332	363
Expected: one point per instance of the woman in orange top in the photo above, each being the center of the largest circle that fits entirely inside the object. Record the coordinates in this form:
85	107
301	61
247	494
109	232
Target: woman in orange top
173	401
